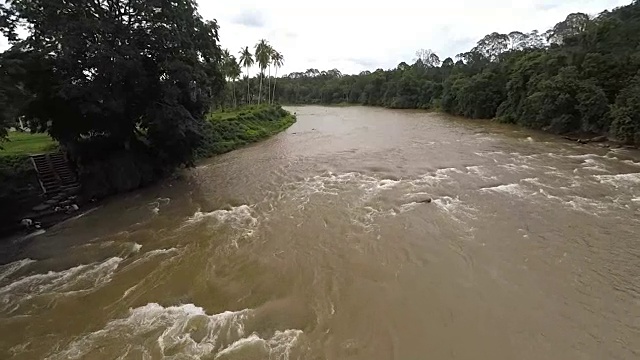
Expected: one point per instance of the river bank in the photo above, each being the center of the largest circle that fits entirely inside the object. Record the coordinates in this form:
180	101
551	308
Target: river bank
20	191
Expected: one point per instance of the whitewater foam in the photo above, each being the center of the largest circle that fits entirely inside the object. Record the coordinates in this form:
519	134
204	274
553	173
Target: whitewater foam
154	206
135	247
185	331
591	164
11	268
515	167
631	162
583	156
619	180
151	254
511	189
408	207
387	183
480	171
549	196
534	181
455	208
589	206
239	216
429	179
77	279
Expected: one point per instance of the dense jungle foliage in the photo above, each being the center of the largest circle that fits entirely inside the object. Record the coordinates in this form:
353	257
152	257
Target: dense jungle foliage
581	76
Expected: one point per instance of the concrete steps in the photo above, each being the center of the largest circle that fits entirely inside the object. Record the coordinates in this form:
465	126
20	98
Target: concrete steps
54	172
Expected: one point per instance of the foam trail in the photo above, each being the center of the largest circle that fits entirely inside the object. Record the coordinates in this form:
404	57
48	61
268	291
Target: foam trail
479	171
516	168
511	189
584	156
161	251
534	181
8	269
408	206
150	254
239	215
619	180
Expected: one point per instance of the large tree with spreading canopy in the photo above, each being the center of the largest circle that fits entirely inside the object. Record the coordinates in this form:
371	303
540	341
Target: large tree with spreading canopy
121	72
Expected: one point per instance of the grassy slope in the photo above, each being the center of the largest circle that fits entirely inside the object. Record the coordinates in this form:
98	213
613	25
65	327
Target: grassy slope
26	144
232	129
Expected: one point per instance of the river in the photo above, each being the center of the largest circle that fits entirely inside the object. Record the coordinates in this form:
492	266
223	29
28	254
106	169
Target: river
314	245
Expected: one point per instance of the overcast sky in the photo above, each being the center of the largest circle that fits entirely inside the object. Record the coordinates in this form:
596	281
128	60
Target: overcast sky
356	35
361	35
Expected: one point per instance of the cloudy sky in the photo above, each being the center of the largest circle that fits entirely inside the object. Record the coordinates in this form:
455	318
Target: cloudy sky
361	35
356	35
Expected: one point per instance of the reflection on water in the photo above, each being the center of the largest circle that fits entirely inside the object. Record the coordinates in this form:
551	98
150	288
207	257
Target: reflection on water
318	244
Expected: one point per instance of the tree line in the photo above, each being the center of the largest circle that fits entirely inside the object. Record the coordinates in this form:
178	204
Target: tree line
266	57
581	76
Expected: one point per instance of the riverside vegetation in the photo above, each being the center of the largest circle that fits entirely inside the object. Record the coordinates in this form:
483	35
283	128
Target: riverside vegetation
224	130
130	90
582	76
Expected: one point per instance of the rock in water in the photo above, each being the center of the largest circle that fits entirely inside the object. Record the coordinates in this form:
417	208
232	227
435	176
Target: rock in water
41	207
598	139
425	201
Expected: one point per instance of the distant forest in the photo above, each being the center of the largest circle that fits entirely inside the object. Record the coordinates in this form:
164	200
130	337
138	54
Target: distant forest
581	76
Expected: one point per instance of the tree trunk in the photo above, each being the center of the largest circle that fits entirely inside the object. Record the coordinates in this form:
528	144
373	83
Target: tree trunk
233	86
248	84
269	86
275	80
260	88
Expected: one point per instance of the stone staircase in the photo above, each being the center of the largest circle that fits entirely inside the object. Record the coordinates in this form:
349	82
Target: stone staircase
55	173
60	189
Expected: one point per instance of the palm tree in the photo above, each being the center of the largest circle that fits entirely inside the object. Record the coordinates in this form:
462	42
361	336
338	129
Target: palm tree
263	59
232	71
246	60
271	51
278	60
226	67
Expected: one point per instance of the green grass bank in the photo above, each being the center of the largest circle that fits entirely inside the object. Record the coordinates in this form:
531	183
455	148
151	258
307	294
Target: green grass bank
25	144
232	128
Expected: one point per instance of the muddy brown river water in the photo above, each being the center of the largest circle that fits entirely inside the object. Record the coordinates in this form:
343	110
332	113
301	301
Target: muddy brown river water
314	245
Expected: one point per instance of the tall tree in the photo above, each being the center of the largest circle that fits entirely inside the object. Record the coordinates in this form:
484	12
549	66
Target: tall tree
270	51
232	72
226	69
574	24
278	60
263	58
428	58
127	73
246	60
235	75
517	40
492	45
